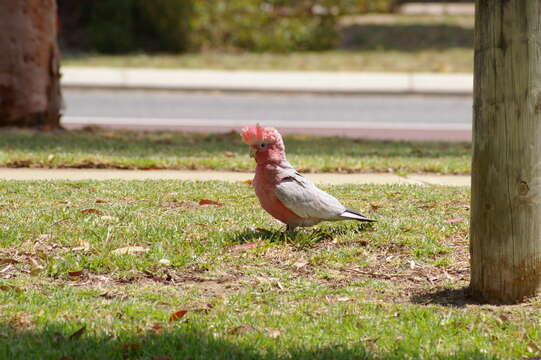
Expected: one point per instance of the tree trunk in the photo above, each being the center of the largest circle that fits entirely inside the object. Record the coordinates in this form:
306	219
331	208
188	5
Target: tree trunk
29	64
506	173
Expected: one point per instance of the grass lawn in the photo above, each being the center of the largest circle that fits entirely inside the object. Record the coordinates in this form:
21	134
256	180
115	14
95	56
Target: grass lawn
455	60
140	150
388	43
106	270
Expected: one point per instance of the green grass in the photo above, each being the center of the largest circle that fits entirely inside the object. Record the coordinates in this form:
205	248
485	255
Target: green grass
454	60
140	150
392	290
387	43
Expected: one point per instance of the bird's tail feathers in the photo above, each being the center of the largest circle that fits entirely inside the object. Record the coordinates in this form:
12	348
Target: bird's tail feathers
352	214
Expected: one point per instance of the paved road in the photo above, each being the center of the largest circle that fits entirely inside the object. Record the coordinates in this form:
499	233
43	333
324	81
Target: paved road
407	117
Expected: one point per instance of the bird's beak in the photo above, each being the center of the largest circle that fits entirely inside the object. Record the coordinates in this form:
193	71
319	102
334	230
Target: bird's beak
252	152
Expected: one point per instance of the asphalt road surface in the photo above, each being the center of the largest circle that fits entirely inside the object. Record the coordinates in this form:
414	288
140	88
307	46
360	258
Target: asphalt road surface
384	117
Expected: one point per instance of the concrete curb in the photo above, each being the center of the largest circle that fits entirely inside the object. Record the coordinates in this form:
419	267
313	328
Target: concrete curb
327	178
253	81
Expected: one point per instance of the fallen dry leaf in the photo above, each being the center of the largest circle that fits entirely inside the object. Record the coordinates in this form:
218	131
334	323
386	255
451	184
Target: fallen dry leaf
502	319
75	273
129	250
107	296
18	164
152	168
533	347
78	333
91	211
84	247
210	202
177	315
242	329
203	310
333	299
229	154
451	221
9	287
101	201
165	261
245	246
274	333
35	263
7	268
8	261
247	182
157	328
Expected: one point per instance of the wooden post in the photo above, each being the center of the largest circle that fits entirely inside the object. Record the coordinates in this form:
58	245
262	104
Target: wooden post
506	173
29	64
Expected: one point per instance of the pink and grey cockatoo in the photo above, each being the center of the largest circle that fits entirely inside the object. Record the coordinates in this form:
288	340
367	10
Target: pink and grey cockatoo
282	191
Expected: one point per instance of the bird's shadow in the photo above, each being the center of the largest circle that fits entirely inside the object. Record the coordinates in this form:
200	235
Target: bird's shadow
301	238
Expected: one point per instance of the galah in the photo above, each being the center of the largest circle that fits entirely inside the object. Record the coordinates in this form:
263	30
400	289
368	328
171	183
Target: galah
282	191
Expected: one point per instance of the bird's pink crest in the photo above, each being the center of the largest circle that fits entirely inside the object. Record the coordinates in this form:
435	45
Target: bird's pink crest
254	134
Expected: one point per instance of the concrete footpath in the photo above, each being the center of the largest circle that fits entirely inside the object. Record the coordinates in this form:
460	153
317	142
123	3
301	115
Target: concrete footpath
98	174
270	81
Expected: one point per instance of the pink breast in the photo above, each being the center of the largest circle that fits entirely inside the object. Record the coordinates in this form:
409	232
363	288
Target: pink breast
264	189
279	211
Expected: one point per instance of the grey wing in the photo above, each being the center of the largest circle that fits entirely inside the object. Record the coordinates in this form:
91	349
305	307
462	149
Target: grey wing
302	197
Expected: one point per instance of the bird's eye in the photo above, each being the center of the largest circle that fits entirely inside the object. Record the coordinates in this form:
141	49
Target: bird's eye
263	145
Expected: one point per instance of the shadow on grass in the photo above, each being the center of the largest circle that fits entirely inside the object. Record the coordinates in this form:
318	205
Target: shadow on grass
184	342
446	297
407	38
301	238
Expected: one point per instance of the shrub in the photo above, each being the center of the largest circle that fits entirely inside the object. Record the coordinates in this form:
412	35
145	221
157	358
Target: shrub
119	26
165	24
110	25
366	6
264	25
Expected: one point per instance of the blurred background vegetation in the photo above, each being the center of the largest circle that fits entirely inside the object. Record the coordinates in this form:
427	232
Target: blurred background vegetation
299	35
120	26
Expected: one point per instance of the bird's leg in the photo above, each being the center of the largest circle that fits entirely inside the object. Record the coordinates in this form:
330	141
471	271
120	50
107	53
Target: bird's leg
290	228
